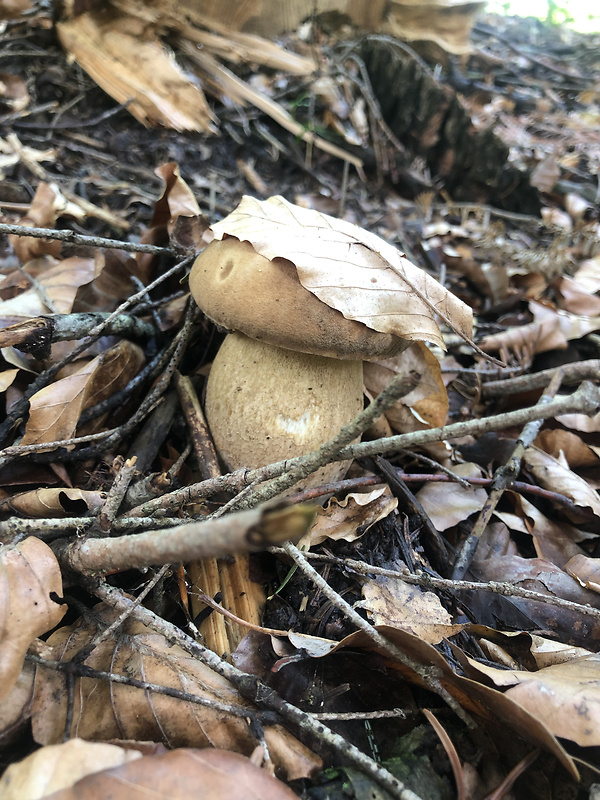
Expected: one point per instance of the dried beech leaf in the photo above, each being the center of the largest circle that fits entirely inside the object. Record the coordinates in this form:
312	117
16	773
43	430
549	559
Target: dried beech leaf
105	711
55	409
47	206
351	517
447	504
550	330
178	775
426	406
586	570
396	604
177	198
29	573
13	91
7	377
54	502
580	422
564	697
496	560
575	451
547	652
59	766
15	708
349	269
60	282
551	474
554	541
575	299
491	706
588	275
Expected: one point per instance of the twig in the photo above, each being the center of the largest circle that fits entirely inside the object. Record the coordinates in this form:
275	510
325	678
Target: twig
420	578
115	496
585	400
203	445
247	531
79	238
427	674
253	689
503	476
572	373
82	670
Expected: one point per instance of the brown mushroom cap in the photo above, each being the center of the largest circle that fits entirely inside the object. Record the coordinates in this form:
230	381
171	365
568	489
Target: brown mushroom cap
244	291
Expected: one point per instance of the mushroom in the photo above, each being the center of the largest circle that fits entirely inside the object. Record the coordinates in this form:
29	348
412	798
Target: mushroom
289	376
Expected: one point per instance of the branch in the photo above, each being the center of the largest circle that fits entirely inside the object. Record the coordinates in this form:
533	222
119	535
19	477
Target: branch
78	238
248	531
585	400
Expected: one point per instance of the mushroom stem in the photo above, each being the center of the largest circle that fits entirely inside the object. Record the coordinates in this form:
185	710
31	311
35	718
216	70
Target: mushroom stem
266	404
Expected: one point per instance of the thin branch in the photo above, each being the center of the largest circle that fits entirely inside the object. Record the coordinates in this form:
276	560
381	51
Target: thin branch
585	400
247	531
572	373
420	578
78	238
501	480
83	671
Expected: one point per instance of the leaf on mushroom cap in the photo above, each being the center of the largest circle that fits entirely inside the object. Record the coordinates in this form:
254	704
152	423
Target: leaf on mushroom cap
349	269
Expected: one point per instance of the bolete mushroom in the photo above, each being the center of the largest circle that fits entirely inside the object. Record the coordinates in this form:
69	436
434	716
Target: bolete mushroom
290	375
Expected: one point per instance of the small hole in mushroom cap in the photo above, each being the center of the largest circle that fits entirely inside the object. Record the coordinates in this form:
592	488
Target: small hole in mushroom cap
226	269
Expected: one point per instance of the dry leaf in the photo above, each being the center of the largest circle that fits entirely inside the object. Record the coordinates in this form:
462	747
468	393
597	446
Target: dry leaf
564	697
351	517
550	330
59	766
556	542
426	406
55	409
547	652
447	504
54	502
29	574
113	273
59	280
349	269
568	446
491	706
7	377
546	173
105	711
13	91
588	275
496	560
47	206
573	297
580	422
15	708
181	775
586	570
551	474
396	604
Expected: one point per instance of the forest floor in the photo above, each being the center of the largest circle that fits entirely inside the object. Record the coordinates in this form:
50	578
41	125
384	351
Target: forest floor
475	675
